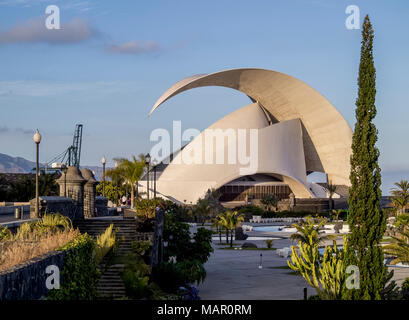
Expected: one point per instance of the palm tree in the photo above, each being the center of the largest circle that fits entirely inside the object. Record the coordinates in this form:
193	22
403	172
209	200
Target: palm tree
224	223
131	171
310	234
230	220
400	195
202	208
217	223
116	176
400	247
235	220
332	188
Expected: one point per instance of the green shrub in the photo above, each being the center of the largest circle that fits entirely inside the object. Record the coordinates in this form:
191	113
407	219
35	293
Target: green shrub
140	247
168	276
292	214
136	285
201	248
179	242
104	243
190	252
79	275
5	233
180	213
191	270
52	223
48	224
145	208
269	243
405	284
136	276
253	210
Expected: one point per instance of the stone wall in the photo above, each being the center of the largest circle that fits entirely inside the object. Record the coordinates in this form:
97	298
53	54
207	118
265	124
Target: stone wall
65	206
101	206
10	209
27	281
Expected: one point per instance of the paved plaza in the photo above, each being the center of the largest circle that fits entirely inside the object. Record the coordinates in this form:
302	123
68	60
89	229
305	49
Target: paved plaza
235	274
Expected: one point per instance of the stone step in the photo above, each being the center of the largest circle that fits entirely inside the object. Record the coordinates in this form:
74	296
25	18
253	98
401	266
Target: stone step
114	284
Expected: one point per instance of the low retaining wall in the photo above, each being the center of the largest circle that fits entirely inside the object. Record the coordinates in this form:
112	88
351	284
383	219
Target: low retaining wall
7	210
62	205
101	206
27	281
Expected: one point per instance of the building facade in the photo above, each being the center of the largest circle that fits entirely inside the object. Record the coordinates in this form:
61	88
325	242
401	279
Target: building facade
287	132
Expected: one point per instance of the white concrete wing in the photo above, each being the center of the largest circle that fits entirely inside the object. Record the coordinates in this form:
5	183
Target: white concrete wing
278	150
326	136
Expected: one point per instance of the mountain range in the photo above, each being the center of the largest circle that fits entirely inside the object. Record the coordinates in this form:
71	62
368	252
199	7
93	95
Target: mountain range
9	164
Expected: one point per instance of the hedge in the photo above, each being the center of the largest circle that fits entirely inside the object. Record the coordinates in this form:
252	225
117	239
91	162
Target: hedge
79	275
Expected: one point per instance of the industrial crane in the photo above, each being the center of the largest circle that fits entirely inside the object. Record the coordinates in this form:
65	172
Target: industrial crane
70	156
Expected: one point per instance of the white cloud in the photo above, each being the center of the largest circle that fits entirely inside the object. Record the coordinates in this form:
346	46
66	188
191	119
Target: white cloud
35	31
134	47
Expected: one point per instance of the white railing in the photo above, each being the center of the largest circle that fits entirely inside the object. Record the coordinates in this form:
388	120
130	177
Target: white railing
258	219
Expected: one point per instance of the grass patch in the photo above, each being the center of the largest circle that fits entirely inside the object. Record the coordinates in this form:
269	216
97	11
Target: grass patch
18	251
226	244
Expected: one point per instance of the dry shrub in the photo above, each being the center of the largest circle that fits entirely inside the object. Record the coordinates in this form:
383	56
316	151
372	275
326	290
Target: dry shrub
18	251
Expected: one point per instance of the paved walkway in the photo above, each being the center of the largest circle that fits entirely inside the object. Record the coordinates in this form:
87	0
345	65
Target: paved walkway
234	274
10	217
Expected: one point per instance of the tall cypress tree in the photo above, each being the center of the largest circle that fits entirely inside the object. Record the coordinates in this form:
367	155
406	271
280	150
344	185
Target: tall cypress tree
366	220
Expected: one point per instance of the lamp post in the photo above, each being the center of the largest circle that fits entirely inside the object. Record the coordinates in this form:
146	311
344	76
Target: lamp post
64	169
37	140
154	178
116	183
147	162
103	160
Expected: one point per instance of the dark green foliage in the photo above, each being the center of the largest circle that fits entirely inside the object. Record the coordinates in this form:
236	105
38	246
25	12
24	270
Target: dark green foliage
23	188
178	237
111	190
366	221
136	285
292	214
391	290
192	271
405	289
269	200
201	247
180	213
79	275
190	252
252	210
5	233
136	277
180	245
169	277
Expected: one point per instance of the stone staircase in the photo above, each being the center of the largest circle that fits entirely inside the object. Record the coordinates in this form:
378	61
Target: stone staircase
111	286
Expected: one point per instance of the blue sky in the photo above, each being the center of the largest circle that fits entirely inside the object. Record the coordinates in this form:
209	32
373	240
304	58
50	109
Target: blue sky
115	58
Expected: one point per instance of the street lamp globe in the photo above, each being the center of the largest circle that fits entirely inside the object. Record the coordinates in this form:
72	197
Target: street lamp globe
37	137
103	160
116	164
148	158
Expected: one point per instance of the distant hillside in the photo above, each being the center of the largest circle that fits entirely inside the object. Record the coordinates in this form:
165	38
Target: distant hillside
10	164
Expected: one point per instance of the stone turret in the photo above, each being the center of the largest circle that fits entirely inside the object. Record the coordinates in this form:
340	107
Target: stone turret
72	186
89	193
